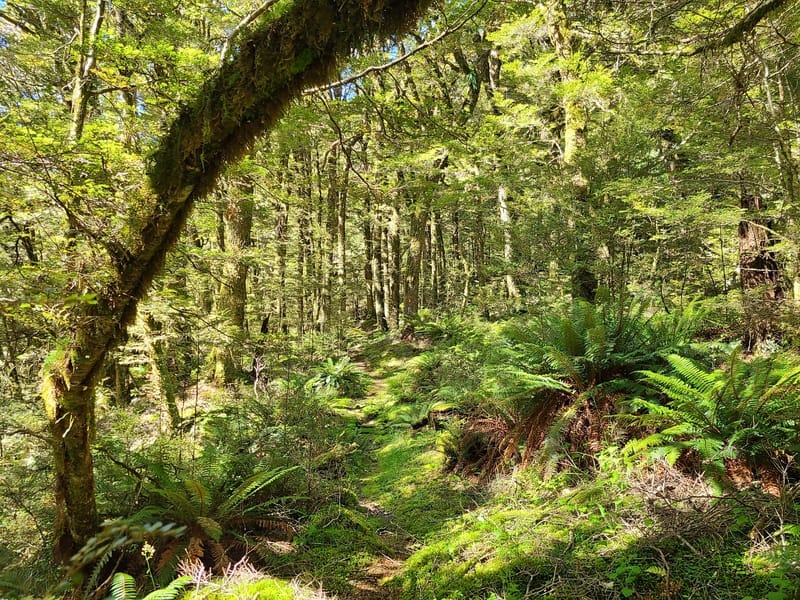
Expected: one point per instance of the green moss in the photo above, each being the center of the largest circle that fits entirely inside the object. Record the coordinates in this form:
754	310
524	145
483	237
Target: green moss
266	588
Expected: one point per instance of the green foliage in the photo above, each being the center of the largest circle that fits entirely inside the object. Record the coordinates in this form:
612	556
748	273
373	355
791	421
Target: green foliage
600	344
747	409
340	377
113	538
211	517
123	587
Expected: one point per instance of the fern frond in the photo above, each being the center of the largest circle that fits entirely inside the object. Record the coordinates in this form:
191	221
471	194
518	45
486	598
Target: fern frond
199	496
210	527
94	576
572	341
567	364
677	390
172	591
704	382
178	501
123	587
251	486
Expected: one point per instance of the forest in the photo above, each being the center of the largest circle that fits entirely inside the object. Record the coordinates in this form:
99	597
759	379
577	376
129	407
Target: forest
399	299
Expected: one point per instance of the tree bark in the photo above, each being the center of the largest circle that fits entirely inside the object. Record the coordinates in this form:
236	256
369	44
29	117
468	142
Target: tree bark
232	298
378	264
163	380
394	264
87	39
283	55
762	286
505	222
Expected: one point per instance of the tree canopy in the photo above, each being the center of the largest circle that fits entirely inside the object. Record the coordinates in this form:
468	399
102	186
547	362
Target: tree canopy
221	193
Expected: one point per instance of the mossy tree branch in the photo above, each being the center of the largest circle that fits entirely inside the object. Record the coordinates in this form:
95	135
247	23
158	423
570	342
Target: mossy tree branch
283	55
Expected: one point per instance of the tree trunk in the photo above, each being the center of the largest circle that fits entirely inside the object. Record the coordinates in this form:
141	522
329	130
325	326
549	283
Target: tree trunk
369	278
163	380
232	298
378	268
79	100
418	215
71	416
283	56
394	262
281	237
762	285
341	251
505	222
583	280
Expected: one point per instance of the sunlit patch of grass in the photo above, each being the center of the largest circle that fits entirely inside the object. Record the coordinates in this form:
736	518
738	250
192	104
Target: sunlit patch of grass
408	482
596	539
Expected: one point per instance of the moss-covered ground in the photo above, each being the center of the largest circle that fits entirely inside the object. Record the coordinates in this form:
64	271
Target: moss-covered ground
416	532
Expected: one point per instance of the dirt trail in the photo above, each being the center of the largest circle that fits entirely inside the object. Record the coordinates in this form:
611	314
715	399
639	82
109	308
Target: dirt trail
369	582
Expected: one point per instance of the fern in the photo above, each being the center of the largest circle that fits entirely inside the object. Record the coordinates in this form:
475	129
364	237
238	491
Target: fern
123	587
746	410
252	486
171	591
206	514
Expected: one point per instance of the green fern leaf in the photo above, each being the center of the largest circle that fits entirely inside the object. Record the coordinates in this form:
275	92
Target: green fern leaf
572	340
210	527
252	486
199	496
181	505
170	592
123	587
704	382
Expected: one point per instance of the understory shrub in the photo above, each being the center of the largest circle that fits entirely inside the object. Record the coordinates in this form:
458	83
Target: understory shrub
550	383
740	420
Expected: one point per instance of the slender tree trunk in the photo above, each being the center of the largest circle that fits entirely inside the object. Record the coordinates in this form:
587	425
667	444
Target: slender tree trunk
281	238
305	260
505	222
369	278
87	41
232	297
583	280
419	219
462	282
394	261
163	380
378	269
418	215
341	250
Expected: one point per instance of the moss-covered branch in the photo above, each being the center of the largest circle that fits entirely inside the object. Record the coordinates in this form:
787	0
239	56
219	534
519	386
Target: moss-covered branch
289	50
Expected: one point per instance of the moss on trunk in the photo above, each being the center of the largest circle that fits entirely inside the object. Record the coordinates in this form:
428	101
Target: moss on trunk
288	51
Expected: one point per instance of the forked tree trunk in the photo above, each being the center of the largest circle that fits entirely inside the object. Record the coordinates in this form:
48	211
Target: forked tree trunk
284	55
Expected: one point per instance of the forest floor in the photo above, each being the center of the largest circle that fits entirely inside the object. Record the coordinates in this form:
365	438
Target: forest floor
397	476
407	529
